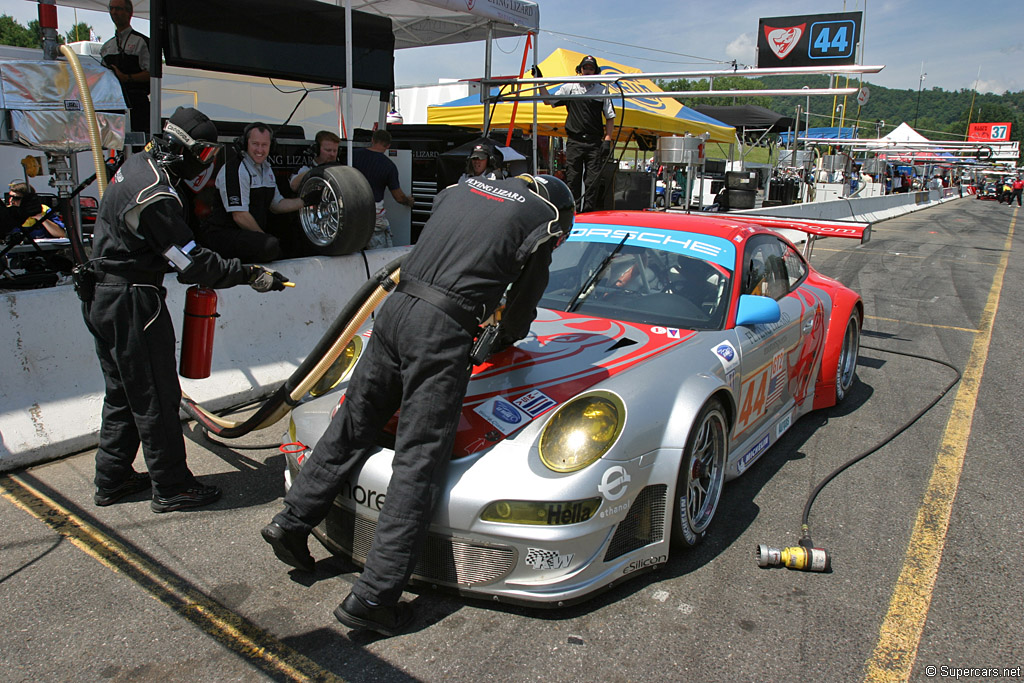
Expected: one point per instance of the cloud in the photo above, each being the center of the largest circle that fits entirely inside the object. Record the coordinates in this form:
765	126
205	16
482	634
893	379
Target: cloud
997	86
743	48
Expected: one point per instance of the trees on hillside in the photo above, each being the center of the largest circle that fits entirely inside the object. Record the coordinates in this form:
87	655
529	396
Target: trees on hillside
13	33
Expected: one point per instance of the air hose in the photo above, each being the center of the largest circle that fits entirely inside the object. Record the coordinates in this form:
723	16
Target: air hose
327	350
805	556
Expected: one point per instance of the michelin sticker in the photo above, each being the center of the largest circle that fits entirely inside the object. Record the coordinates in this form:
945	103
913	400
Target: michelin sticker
753	454
784	424
614	483
501	413
728	356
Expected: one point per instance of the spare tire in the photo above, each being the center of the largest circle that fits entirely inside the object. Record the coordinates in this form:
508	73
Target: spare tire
339	212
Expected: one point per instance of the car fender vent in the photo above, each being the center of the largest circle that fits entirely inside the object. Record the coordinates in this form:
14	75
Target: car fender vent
644	523
625	341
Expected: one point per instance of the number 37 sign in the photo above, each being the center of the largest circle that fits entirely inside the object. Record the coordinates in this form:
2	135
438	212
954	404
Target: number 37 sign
809	40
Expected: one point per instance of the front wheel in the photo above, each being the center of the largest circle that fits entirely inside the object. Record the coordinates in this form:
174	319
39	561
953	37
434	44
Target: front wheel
701	476
846	368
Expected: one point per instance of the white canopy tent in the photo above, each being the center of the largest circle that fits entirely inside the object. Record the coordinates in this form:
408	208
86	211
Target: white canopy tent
416	23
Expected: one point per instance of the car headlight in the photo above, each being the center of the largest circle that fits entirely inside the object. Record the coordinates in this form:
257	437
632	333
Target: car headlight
339	368
581	431
541	512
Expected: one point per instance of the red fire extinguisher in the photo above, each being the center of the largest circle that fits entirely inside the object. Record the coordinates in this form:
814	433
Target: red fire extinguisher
197	335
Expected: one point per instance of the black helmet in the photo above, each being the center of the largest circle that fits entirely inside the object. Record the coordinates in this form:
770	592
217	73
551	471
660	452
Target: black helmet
556	193
191	137
589	59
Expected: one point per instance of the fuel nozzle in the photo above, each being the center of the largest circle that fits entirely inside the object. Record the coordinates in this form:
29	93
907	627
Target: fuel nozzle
795	557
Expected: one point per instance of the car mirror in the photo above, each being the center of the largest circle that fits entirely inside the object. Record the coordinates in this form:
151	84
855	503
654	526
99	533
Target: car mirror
757	310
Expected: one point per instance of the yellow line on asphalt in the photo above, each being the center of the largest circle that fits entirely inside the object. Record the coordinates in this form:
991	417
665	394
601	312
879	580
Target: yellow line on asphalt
231	630
910	322
915	256
900	633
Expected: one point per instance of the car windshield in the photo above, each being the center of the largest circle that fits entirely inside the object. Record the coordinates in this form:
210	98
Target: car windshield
626	281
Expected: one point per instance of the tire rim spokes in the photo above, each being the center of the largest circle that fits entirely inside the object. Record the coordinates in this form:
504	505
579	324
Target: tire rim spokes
706	474
848	357
322	221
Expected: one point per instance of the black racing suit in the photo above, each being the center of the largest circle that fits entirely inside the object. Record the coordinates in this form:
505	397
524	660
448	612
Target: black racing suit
482	236
139	219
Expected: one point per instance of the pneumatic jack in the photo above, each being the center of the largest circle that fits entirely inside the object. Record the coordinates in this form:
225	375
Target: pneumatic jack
803	557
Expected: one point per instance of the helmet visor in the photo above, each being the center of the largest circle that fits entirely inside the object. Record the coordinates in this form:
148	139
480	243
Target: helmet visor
205	151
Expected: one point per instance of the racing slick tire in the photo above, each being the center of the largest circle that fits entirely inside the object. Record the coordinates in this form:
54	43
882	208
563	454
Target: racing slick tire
701	476
339	211
846	368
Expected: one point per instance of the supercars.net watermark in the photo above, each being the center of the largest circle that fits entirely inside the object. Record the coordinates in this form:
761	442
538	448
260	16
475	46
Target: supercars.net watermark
965	672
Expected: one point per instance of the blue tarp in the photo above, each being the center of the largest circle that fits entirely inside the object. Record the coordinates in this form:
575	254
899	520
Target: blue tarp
824	133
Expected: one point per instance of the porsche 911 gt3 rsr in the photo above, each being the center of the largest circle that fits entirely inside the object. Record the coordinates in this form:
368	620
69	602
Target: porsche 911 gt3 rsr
669	353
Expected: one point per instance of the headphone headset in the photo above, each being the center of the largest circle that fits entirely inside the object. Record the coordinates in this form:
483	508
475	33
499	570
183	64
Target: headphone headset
241	143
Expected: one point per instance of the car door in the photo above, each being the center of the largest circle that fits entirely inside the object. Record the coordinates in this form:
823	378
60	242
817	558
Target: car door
765	350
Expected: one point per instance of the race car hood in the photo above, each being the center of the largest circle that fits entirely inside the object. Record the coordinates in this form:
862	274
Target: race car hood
563	355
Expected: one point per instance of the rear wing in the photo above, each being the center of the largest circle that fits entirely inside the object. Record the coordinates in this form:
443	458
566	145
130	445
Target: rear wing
813	228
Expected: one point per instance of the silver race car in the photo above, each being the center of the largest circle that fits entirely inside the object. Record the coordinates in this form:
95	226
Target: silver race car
669	353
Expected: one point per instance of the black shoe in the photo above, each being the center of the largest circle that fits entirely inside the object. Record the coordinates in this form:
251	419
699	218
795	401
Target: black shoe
389	621
289	546
195	497
136	481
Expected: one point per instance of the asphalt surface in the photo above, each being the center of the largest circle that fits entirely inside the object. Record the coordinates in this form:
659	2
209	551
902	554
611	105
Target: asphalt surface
123	594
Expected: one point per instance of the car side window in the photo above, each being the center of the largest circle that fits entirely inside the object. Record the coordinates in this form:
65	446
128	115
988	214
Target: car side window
796	269
765	268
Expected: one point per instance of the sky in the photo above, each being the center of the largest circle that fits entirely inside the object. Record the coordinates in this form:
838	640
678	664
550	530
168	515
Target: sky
955	44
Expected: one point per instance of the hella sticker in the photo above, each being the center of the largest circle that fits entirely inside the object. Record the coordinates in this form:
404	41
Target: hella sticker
727	355
502	414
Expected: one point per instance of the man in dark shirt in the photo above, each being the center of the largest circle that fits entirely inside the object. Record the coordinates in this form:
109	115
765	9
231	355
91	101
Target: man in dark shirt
482	236
590	141
127	55
382	173
140	235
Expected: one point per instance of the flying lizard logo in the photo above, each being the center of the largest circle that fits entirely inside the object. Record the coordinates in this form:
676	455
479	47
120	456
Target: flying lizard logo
470	3
491	192
783	40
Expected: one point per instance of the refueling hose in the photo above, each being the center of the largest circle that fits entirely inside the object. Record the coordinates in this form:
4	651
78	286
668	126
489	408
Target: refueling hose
90	118
327	350
74	229
805	556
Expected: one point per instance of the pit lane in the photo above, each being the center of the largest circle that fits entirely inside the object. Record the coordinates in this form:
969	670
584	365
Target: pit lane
119	593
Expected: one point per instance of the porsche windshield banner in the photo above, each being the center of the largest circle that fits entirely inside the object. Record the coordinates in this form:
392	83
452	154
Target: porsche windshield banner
808	40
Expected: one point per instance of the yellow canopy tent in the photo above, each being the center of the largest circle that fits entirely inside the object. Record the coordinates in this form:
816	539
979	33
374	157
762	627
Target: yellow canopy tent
646	116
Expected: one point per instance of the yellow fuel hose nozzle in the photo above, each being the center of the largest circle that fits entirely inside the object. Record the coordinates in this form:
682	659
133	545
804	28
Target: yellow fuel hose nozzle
794	557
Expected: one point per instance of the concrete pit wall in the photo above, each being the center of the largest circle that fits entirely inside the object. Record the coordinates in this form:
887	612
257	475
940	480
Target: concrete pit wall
51	392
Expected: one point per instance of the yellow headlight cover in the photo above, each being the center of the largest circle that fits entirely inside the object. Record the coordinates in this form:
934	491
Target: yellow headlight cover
339	368
581	431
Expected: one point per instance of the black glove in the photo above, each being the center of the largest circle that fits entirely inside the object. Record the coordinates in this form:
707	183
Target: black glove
312	199
265	280
606	148
535	72
15	238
